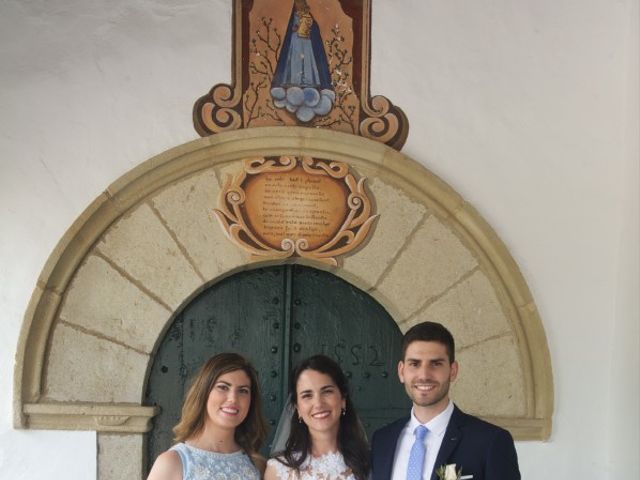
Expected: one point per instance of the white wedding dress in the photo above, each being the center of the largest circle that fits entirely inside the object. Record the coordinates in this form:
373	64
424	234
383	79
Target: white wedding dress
330	466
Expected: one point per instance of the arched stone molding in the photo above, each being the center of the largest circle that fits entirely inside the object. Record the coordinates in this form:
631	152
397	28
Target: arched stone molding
150	242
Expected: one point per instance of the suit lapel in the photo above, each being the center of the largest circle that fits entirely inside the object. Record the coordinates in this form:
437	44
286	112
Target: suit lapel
390	447
450	441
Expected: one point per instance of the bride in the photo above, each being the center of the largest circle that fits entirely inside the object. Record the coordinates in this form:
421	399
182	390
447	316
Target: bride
326	439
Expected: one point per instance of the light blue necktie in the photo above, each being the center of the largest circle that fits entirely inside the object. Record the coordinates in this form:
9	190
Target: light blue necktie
416	457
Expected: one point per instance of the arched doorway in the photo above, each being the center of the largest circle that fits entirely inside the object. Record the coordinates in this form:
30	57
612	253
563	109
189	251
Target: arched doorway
277	316
139	252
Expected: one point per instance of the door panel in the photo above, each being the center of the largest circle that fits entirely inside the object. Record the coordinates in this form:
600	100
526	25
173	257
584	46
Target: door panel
276	317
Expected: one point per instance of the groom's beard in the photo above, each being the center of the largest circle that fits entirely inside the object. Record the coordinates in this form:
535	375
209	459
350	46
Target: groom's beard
439	392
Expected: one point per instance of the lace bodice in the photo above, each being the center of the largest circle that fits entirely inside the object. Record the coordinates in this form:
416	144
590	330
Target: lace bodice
200	464
330	466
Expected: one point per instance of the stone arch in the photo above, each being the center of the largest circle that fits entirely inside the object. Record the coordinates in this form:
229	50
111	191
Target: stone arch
150	242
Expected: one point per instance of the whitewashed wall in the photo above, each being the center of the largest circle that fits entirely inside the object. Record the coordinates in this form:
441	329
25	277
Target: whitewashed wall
528	108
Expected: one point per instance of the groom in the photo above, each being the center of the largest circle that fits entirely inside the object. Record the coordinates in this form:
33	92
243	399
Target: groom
437	433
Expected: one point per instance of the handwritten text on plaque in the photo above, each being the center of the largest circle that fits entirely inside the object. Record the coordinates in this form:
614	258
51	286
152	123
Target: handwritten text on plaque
277	208
295	205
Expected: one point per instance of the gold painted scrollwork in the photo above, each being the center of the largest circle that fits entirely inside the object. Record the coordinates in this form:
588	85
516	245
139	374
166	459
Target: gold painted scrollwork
218	111
254	166
333	169
351	229
384	122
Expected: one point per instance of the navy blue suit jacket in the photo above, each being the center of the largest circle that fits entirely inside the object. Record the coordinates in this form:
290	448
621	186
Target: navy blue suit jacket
481	449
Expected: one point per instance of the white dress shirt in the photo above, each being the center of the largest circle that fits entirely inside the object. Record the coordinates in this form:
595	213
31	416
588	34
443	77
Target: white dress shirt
437	426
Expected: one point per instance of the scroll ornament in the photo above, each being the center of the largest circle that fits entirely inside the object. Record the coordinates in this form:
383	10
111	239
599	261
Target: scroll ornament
283	207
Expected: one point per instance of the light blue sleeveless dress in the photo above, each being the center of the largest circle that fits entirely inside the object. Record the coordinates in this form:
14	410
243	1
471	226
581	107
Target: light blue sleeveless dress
200	464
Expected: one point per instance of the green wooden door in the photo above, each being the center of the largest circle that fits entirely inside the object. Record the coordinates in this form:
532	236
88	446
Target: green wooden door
275	317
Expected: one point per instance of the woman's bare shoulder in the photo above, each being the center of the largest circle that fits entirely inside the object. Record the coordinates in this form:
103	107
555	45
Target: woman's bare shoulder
167	466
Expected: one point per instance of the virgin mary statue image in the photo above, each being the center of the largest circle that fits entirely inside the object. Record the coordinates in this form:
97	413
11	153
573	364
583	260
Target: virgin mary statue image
302	82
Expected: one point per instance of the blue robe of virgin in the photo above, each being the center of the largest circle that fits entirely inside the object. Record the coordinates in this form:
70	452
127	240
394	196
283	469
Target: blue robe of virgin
302	82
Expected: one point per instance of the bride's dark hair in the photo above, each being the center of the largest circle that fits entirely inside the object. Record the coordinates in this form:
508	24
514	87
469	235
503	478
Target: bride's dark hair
352	442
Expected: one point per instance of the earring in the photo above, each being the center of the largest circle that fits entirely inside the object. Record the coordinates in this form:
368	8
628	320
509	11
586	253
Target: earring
344	411
299	419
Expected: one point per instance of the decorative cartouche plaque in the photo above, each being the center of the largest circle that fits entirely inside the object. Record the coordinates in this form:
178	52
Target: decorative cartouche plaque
295	206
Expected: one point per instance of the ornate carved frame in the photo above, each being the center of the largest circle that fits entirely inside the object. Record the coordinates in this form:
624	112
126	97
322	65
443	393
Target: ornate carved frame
353	229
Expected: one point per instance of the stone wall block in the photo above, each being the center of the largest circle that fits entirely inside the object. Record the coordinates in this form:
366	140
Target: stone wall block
490	380
141	245
398	216
470	310
228	170
432	262
101	300
85	368
187	208
120	456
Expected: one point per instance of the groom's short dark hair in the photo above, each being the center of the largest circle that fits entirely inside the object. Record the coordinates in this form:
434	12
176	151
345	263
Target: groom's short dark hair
429	332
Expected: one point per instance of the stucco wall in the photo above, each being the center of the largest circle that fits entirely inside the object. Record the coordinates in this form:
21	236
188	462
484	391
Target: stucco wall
528	109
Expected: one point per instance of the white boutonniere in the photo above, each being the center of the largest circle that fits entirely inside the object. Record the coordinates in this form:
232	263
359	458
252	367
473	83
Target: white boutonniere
448	472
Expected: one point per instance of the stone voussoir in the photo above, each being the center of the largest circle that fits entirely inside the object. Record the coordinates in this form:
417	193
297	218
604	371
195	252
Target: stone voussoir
398	216
433	260
141	246
470	310
490	379
112	375
101	300
187	208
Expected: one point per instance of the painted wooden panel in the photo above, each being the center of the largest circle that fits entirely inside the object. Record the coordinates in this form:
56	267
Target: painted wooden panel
301	63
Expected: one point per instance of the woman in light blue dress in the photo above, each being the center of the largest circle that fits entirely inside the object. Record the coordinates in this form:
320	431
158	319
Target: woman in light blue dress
221	428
